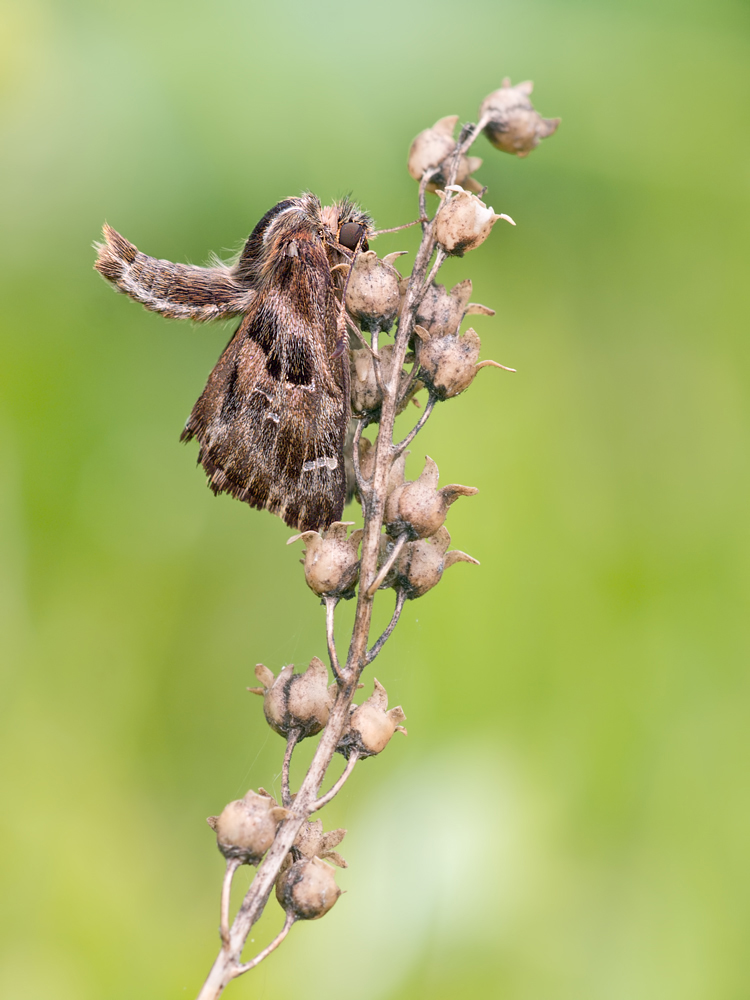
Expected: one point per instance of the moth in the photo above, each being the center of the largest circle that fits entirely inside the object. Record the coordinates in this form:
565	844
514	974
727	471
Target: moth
272	419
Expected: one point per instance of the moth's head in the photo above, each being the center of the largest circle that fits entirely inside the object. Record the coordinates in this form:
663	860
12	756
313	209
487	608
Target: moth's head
342	227
347	224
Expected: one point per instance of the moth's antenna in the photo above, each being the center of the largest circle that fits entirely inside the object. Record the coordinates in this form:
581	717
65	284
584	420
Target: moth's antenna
395	229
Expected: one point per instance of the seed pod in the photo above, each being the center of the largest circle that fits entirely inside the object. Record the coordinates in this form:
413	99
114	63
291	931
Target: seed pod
417	509
421	564
441	313
246	827
365	392
330	560
372	295
307	889
367	465
515	127
463	222
295	701
435	148
448	365
371	726
312	842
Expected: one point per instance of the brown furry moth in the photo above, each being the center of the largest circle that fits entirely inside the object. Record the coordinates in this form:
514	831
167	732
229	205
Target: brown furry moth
272	419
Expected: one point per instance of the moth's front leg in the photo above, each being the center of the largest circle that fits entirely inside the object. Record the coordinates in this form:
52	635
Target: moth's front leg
342	337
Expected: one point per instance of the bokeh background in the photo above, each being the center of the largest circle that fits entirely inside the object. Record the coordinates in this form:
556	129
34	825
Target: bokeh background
569	818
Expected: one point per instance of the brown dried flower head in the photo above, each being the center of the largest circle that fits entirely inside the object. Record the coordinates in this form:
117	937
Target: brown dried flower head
515	127
246	827
434	148
295	701
448	365
421	564
307	889
463	221
371	725
366	395
331	561
372	294
441	312
312	842
367	465
417	509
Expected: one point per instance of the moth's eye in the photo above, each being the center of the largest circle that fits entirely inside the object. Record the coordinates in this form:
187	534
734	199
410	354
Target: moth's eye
350	235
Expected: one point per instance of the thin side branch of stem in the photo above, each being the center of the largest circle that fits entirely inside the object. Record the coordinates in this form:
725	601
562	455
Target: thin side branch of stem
386	567
335	789
426	178
429	406
226	890
246	966
400	601
331	603
439	261
291	742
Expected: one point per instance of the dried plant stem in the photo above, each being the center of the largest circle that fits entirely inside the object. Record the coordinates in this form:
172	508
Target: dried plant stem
228	964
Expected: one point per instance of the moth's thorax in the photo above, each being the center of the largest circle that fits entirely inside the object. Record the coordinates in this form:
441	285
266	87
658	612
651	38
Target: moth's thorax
329	216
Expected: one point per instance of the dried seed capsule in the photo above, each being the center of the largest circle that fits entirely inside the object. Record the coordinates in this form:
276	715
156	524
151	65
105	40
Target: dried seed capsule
330	560
421	564
312	842
448	365
366	395
441	312
307	889
463	222
371	726
417	509
295	701
515	127
365	392
435	148
372	294
246	827
367	465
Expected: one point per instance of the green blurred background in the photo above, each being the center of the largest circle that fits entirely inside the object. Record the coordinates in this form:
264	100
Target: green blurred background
569	818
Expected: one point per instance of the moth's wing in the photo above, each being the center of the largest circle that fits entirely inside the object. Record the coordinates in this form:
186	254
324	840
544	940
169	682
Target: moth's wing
272	419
